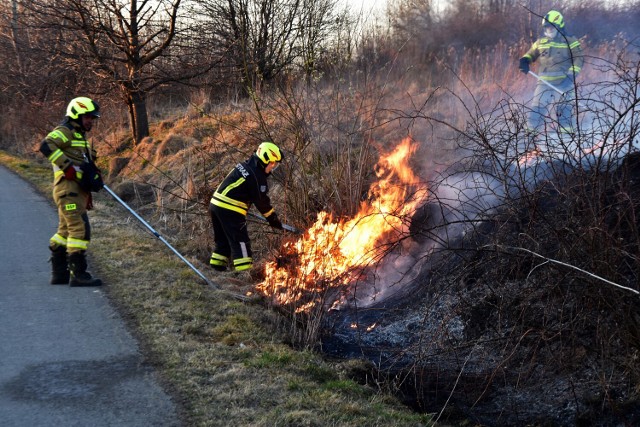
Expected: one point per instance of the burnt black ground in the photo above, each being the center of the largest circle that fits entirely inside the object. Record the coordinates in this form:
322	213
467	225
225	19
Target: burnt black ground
498	338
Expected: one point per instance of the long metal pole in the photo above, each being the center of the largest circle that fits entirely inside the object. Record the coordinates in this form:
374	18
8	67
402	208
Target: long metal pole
580	104
155	233
546	82
289	228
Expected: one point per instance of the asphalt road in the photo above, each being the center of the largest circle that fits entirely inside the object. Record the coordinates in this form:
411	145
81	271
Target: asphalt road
66	358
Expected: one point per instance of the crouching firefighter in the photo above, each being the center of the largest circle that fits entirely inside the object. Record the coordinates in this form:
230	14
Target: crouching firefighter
74	177
244	185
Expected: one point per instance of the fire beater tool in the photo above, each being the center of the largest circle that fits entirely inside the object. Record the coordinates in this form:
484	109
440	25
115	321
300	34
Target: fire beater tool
289	228
155	233
555	88
546	82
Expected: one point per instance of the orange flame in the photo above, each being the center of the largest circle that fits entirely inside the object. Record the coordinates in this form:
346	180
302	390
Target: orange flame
334	253
529	157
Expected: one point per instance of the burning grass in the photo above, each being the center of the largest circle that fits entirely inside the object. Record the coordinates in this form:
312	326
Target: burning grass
336	253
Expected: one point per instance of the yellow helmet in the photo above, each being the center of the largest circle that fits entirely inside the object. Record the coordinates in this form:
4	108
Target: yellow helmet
553	18
83	105
268	152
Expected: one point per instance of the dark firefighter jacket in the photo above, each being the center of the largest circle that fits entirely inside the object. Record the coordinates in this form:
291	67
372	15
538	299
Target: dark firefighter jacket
558	58
245	184
64	146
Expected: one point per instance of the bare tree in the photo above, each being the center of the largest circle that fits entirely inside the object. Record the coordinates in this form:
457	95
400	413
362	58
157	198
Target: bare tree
318	23
413	20
13	41
262	38
134	45
24	74
15	37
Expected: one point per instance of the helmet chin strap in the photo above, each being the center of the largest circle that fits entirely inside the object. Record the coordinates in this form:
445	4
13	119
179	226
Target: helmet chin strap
80	124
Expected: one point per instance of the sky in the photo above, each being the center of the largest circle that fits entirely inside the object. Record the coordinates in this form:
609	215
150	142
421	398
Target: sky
366	5
379	5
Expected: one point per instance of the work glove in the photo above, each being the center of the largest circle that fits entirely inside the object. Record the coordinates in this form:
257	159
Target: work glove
274	221
70	173
524	65
89	202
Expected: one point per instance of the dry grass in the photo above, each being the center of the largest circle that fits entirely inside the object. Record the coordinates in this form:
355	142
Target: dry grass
225	362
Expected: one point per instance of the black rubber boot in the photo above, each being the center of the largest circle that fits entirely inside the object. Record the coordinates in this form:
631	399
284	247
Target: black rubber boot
59	266
79	274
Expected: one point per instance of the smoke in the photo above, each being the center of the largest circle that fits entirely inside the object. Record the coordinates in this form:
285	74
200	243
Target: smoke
488	180
477	161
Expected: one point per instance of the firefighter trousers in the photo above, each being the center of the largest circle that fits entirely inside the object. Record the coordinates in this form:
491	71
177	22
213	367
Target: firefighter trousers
231	239
74	231
546	100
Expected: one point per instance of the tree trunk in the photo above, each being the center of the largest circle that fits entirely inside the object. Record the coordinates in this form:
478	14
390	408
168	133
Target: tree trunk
138	116
15	34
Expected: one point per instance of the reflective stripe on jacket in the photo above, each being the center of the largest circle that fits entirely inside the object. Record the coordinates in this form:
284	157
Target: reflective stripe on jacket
558	57
244	185
66	146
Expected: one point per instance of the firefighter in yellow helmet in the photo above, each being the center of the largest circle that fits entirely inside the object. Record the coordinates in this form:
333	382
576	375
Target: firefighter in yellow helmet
560	59
246	184
68	150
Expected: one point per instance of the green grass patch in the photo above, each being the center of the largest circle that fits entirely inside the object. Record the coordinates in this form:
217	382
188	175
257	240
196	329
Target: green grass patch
274	359
347	387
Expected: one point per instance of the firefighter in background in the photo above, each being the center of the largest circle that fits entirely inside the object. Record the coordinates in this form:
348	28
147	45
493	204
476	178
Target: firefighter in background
560	59
67	148
244	185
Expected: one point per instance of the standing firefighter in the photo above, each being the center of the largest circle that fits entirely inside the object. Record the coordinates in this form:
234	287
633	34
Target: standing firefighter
72	157
560	59
244	185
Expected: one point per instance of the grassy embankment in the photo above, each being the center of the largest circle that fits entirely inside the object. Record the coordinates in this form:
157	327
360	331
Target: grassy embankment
224	361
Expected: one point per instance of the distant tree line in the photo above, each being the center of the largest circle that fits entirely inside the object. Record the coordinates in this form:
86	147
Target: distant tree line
128	50
56	49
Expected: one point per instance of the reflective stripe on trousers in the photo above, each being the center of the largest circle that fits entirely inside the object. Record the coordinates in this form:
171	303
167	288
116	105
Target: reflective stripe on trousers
74	230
